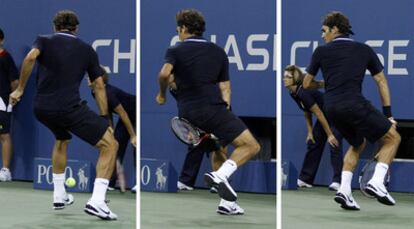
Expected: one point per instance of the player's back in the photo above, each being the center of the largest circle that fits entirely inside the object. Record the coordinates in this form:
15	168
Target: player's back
63	61
343	64
199	67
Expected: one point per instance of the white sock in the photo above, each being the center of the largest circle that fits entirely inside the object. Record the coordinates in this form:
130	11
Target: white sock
99	190
59	184
227	168
346	180
380	172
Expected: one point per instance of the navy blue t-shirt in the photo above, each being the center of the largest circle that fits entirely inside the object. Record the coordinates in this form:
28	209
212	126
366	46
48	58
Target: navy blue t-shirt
199	66
306	98
116	96
8	73
343	63
63	61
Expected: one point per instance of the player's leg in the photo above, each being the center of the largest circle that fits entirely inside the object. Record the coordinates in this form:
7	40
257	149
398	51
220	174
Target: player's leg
53	121
389	145
96	131
105	165
218	157
59	159
7	147
7	151
376	127
344	194
245	147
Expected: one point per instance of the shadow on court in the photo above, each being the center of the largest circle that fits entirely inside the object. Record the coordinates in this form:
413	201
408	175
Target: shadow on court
315	208
197	209
23	207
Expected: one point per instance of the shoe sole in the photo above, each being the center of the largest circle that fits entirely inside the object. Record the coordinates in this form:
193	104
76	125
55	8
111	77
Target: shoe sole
222	211
383	200
343	204
209	181
60	206
226	193
91	211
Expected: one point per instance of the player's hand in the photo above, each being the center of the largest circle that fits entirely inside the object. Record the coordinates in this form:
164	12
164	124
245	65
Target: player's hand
160	99
134	141
332	141
15	96
310	138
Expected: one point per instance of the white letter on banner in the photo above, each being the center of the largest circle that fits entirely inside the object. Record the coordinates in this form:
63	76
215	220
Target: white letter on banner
102	42
145	170
231	43
393	57
41	171
257	52
124	55
49	176
174	40
296	45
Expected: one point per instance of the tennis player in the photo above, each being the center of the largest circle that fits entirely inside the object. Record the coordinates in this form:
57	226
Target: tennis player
343	62
311	102
63	60
195	154
201	73
8	82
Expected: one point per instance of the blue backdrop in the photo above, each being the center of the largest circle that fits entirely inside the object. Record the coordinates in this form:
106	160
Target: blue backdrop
245	29
381	24
109	26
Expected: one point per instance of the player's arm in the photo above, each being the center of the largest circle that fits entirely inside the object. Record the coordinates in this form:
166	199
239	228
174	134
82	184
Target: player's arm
14	84
26	69
163	80
384	92
325	125
308	121
225	89
123	115
98	86
309	82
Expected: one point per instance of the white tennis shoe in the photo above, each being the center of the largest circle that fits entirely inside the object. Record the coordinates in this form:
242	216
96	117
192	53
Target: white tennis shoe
5	175
347	202
378	190
99	210
229	208
60	202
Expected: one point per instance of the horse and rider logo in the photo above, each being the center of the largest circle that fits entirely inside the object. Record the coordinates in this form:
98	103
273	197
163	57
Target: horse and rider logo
83	180
161	179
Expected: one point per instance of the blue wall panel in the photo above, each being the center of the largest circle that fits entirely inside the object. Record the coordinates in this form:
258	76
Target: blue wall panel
105	22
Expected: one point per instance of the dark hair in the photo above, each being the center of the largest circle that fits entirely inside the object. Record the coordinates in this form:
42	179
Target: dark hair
1	35
297	78
65	19
193	20
338	19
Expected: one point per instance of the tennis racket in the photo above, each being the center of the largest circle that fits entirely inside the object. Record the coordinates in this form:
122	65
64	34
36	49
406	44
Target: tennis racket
367	173
188	133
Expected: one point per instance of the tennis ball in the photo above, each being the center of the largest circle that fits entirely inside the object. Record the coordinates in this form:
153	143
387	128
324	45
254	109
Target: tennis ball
70	182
